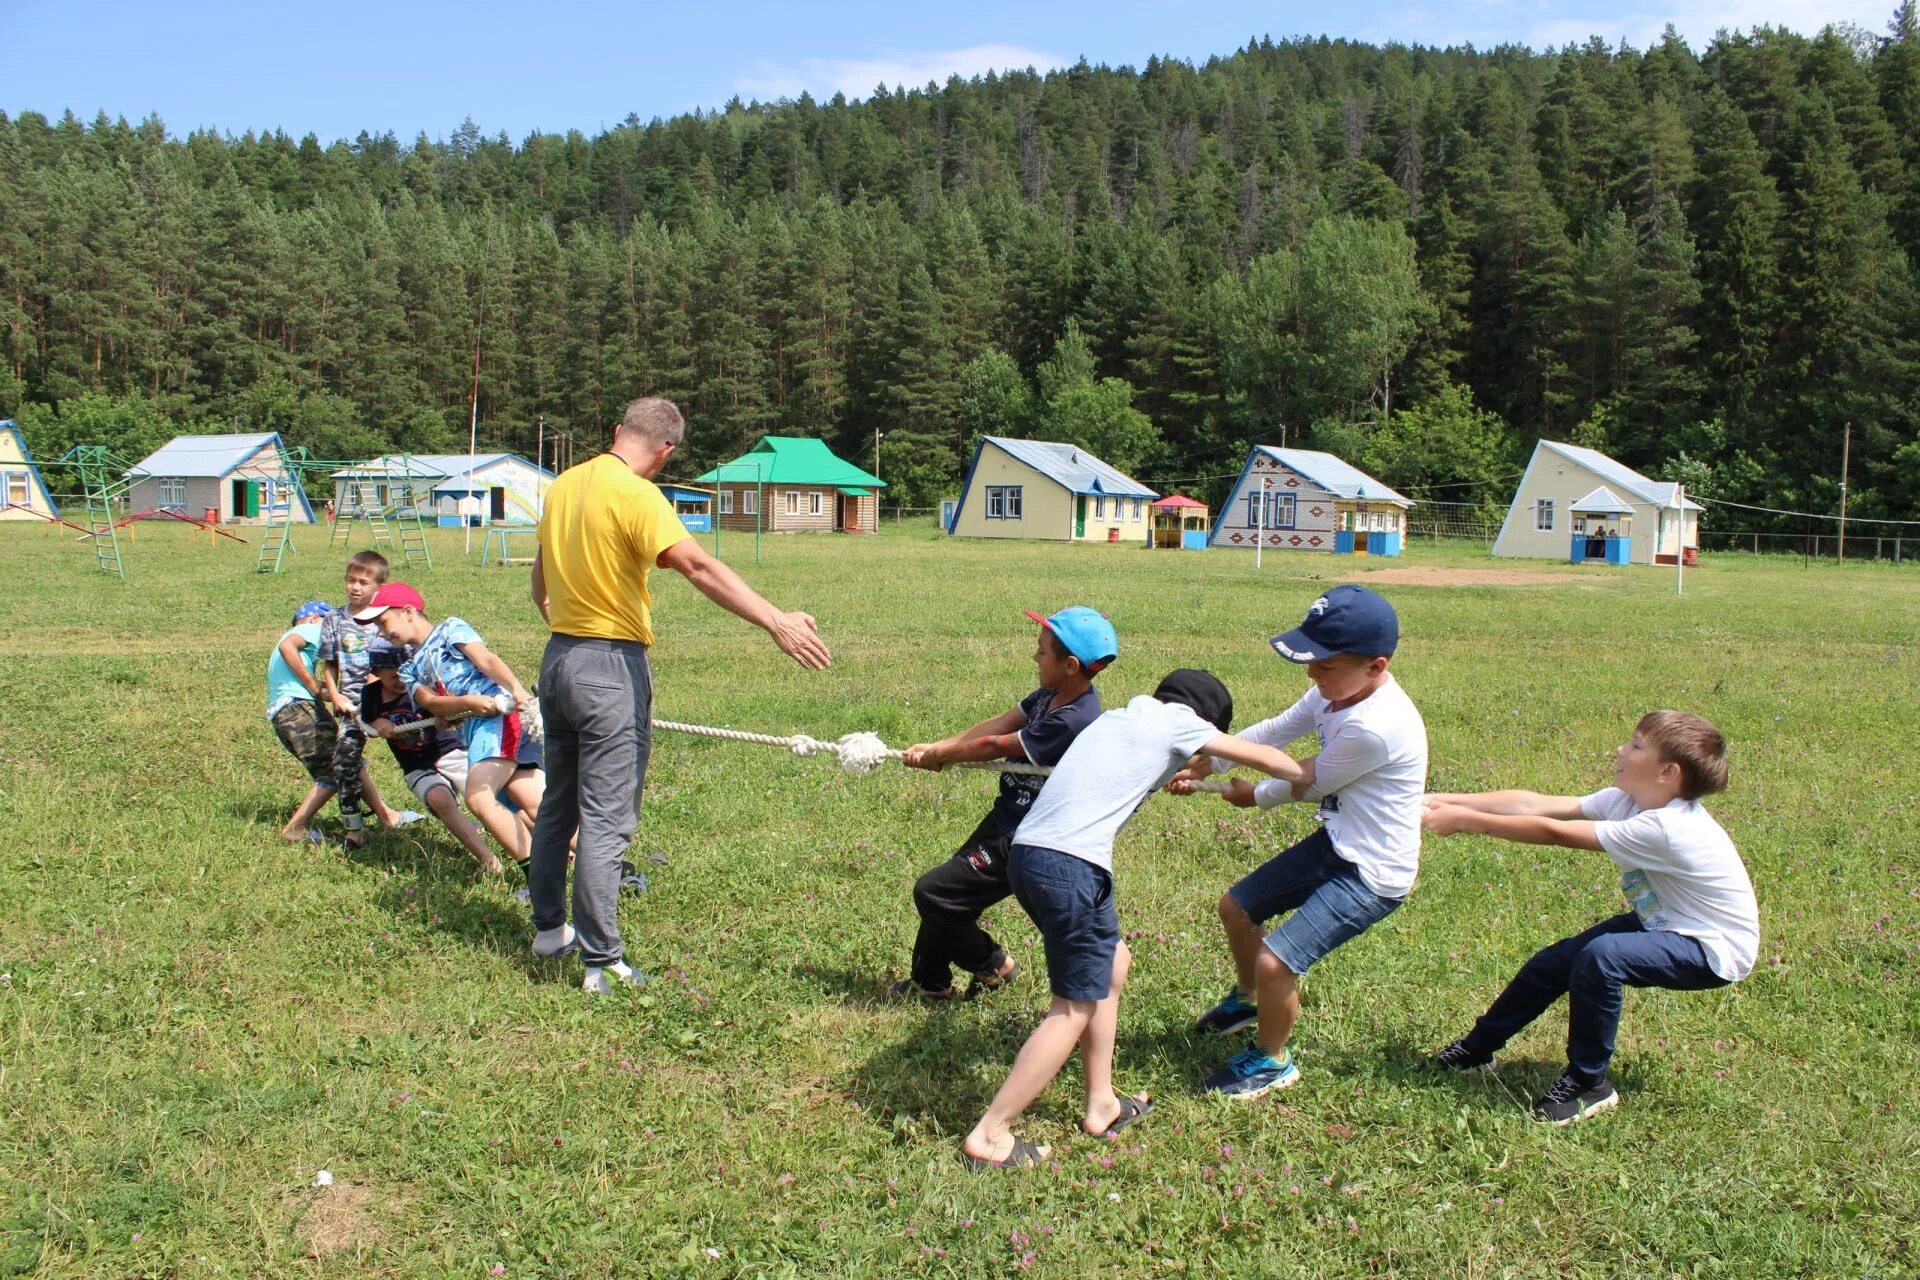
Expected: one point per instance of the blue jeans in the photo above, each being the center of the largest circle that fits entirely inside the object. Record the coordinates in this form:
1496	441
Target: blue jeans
1071	901
1331	904
1591	968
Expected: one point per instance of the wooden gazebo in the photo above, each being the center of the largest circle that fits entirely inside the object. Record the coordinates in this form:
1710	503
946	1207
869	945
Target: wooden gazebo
1179	521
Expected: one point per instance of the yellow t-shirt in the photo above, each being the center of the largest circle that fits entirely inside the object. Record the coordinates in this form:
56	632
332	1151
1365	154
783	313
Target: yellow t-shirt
601	532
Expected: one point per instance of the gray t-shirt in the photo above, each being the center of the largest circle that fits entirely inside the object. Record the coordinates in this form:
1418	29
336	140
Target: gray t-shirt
1117	761
345	641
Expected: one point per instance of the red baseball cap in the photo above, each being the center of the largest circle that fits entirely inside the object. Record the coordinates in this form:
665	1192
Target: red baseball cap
391	596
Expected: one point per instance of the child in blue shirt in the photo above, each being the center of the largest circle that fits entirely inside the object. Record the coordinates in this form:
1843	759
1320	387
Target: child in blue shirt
453	675
299	720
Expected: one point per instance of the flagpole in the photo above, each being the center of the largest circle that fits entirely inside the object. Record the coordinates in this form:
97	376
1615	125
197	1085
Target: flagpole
473	437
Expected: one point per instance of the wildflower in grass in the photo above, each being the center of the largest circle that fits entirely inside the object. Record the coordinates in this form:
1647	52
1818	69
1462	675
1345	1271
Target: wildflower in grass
499	1269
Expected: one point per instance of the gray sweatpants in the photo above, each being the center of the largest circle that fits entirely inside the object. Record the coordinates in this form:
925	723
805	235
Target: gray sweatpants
596	697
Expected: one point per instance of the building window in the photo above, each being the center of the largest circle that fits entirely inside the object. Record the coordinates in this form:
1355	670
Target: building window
1543	515
173	491
1099	507
1136	510
813	504
1003	502
726	502
749	502
16	491
1280	510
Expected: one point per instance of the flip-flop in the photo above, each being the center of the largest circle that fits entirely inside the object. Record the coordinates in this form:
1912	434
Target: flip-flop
987	983
1024	1155
1132	1111
406	818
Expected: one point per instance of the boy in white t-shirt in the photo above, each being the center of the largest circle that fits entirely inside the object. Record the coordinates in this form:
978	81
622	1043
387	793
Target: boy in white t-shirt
1357	869
1694	923
1060	867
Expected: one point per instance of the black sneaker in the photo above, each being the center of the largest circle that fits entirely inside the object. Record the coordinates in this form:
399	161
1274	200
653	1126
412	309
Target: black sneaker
1234	1013
908	989
1570	1100
1457	1057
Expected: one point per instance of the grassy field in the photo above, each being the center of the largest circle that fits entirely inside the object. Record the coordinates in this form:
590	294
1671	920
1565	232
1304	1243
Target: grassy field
196	1018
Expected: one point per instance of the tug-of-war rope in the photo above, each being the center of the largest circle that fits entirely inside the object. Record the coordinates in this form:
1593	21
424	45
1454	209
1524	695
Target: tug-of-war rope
858	753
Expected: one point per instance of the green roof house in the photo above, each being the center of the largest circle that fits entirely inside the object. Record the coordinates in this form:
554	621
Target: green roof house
786	483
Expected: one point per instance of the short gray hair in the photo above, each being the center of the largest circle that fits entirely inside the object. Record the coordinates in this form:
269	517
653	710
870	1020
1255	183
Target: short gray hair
657	419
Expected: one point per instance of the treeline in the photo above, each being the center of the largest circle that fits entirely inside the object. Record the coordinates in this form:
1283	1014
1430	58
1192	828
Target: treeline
1421	259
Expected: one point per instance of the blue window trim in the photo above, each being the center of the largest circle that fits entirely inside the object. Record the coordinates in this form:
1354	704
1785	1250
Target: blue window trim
1012	506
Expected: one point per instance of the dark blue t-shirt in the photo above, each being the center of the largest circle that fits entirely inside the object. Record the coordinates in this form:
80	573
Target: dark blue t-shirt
416	750
1046	738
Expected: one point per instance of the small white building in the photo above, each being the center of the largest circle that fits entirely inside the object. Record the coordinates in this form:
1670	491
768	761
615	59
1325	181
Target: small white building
241	479
1305	500
1576	503
1047	490
450	489
23	494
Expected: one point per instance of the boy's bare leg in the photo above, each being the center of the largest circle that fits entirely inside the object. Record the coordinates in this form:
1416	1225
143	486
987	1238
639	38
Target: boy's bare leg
527	789
444	807
1279	997
485	778
1096	1051
296	828
385	812
1039	1061
1245	940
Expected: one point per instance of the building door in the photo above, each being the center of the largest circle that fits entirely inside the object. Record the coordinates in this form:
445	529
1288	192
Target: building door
1080	515
246	499
496	504
849	514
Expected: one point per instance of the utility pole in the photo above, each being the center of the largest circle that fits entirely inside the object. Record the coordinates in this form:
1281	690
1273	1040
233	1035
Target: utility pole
1846	455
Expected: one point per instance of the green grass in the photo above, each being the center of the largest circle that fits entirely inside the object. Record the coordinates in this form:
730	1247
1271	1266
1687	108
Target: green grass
198	1017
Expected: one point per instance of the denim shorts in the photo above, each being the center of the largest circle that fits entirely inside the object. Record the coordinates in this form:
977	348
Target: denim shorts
1071	900
1329	901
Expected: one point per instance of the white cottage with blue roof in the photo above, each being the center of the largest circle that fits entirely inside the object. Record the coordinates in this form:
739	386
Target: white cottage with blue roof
1304	500
243	479
1057	492
1576	503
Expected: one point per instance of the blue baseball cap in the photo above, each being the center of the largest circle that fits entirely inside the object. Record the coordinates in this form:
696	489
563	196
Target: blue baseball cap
1087	635
312	609
1347	619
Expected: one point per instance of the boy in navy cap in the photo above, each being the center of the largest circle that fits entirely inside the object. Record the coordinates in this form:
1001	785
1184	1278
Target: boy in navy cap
434	762
1075	645
1367	782
1060	865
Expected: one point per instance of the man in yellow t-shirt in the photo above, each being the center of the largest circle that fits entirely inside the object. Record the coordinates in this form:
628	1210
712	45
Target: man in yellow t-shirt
605	525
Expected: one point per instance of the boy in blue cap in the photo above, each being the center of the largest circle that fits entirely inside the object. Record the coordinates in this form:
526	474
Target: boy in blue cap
298	718
1075	645
1367	782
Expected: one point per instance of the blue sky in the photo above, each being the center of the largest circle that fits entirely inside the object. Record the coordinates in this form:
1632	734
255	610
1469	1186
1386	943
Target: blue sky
414	66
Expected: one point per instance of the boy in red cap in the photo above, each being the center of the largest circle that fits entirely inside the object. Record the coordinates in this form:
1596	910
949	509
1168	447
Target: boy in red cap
1075	644
455	676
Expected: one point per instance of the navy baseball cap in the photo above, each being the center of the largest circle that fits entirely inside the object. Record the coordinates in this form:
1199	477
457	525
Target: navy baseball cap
1347	619
312	609
1087	635
1202	692
382	655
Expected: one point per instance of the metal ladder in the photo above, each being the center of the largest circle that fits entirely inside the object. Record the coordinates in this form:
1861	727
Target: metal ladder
105	478
277	539
366	506
413	531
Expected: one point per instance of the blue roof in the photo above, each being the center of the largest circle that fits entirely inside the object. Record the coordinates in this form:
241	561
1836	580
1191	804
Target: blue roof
1658	493
1341	479
203	456
1072	468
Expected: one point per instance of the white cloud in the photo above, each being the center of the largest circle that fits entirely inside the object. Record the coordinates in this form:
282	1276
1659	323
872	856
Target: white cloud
858	77
1487	23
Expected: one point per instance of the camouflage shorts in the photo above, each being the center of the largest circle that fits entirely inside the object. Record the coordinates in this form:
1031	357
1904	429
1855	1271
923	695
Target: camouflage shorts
308	733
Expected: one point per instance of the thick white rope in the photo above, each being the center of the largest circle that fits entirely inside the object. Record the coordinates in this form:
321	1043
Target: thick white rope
858	753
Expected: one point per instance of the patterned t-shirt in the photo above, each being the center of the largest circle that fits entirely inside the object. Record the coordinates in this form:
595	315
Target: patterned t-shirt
345	641
442	666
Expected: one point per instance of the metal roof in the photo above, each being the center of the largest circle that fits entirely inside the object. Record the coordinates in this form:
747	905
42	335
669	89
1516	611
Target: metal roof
1072	467
423	466
1658	493
791	460
199	457
1603	501
1338	477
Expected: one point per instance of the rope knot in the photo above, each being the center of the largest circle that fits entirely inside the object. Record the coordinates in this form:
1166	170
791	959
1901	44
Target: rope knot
862	752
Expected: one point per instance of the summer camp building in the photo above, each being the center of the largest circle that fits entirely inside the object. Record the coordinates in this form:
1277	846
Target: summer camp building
787	484
1577	503
1039	489
23	494
1304	500
239	478
451	489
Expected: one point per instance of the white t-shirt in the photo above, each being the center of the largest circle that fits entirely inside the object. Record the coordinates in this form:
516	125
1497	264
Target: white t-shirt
1116	762
1369	778
1681	873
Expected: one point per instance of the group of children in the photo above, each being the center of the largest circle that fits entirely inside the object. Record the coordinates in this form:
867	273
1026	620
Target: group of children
456	718
383	667
1693	920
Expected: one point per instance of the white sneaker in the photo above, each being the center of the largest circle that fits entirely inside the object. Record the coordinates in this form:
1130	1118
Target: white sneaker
549	943
600	981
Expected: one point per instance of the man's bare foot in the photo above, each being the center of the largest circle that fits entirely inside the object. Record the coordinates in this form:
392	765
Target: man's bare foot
1117	1113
